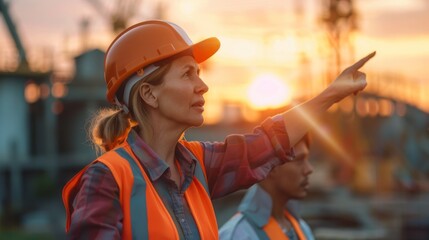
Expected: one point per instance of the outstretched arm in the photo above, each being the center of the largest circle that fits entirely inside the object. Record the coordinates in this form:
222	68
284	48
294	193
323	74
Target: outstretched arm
301	118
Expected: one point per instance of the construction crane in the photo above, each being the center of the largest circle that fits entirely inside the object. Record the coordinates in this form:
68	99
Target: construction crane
4	9
119	15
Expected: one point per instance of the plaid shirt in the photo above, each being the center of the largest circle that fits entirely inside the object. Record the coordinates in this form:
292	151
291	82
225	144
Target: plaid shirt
236	163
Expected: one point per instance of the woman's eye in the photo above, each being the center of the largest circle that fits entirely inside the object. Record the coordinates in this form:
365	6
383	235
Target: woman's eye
187	74
191	72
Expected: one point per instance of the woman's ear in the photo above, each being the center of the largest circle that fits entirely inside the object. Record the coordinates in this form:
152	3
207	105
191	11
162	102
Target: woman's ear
147	94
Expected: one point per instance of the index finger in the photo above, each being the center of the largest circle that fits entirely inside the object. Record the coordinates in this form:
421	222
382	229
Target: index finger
362	62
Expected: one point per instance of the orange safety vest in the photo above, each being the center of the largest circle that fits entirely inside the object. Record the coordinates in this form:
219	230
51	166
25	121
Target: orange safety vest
145	215
274	231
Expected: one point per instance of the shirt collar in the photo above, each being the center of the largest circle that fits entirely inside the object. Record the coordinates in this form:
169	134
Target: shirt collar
256	205
156	166
187	163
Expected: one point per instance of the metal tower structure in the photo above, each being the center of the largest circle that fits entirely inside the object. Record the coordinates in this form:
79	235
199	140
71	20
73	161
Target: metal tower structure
119	15
340	19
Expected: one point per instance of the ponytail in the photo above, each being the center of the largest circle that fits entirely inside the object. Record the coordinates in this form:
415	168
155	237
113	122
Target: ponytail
109	128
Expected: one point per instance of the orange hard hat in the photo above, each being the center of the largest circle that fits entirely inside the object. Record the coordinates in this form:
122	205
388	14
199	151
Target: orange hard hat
146	43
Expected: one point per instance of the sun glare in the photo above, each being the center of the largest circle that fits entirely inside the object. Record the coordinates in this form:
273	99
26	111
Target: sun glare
268	91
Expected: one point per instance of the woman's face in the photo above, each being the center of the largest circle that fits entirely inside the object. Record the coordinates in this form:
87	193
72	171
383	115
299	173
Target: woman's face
180	97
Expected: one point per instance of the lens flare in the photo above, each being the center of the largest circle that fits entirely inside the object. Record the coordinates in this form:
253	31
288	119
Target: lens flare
327	138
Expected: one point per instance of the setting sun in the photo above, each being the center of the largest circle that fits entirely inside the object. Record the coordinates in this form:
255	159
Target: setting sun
268	91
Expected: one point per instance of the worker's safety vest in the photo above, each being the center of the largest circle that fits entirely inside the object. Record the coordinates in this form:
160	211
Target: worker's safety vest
145	215
273	231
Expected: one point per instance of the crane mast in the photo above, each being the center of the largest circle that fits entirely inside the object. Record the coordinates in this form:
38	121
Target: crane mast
4	9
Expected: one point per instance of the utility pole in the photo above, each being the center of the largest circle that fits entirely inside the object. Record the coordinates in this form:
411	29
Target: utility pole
306	81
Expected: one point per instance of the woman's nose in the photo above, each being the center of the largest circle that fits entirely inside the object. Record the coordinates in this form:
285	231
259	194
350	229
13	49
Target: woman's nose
202	86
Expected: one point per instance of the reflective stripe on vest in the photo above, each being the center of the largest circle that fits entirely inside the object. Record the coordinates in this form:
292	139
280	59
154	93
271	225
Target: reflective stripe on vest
140	201
274	231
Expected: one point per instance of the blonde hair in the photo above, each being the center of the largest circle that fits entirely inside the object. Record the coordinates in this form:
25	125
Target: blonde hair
109	127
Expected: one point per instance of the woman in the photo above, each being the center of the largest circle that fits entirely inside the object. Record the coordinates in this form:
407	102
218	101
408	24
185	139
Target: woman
151	183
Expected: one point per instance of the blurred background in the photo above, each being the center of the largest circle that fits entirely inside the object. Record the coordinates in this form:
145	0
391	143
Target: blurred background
371	153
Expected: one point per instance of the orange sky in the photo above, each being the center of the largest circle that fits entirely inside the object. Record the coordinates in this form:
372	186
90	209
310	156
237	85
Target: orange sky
258	37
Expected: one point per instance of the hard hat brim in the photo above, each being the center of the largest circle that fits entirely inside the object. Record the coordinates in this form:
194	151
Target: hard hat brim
205	49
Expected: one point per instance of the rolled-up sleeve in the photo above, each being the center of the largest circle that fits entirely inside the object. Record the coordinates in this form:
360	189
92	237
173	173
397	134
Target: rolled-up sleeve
244	159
